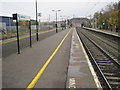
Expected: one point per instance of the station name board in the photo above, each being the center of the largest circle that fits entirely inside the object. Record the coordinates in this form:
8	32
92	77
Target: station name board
20	17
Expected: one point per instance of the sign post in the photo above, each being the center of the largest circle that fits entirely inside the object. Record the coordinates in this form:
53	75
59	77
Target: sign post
30	33
19	17
15	17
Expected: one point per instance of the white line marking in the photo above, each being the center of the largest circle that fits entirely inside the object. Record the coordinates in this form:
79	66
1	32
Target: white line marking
72	83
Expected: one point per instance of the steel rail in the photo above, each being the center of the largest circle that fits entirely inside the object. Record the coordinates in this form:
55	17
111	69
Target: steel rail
94	61
105	52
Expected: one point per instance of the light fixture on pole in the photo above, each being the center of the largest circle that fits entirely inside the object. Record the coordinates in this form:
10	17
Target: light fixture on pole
56	17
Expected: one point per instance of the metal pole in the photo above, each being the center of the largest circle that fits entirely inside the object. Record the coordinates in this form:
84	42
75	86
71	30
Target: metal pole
36	24
30	33
56	21
49	21
66	24
10	26
39	24
18	44
62	23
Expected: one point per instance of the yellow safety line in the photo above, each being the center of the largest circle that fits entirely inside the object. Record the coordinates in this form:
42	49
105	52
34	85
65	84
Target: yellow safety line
36	78
4	42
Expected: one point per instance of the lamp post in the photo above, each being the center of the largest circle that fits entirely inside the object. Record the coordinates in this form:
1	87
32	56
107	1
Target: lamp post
39	15
56	17
36	23
67	21
49	21
62	22
103	25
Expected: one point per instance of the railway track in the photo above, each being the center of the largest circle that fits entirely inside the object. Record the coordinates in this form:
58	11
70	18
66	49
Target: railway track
110	46
106	67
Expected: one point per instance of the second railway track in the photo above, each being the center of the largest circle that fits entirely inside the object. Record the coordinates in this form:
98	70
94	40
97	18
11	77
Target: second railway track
106	67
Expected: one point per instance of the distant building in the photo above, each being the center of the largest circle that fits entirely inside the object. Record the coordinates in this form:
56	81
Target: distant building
7	20
80	22
6	23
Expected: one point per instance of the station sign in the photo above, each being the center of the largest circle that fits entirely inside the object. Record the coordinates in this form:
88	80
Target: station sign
20	17
39	14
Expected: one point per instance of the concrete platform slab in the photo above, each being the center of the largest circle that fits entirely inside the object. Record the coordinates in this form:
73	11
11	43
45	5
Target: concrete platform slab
18	70
79	72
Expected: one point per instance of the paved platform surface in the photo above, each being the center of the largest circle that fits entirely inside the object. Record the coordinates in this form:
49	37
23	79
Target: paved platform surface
79	70
68	65
10	46
20	69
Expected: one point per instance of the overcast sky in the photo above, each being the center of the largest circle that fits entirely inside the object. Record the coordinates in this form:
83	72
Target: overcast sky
69	8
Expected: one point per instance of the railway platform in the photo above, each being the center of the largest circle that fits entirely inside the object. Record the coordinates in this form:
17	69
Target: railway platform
104	31
80	70
45	65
